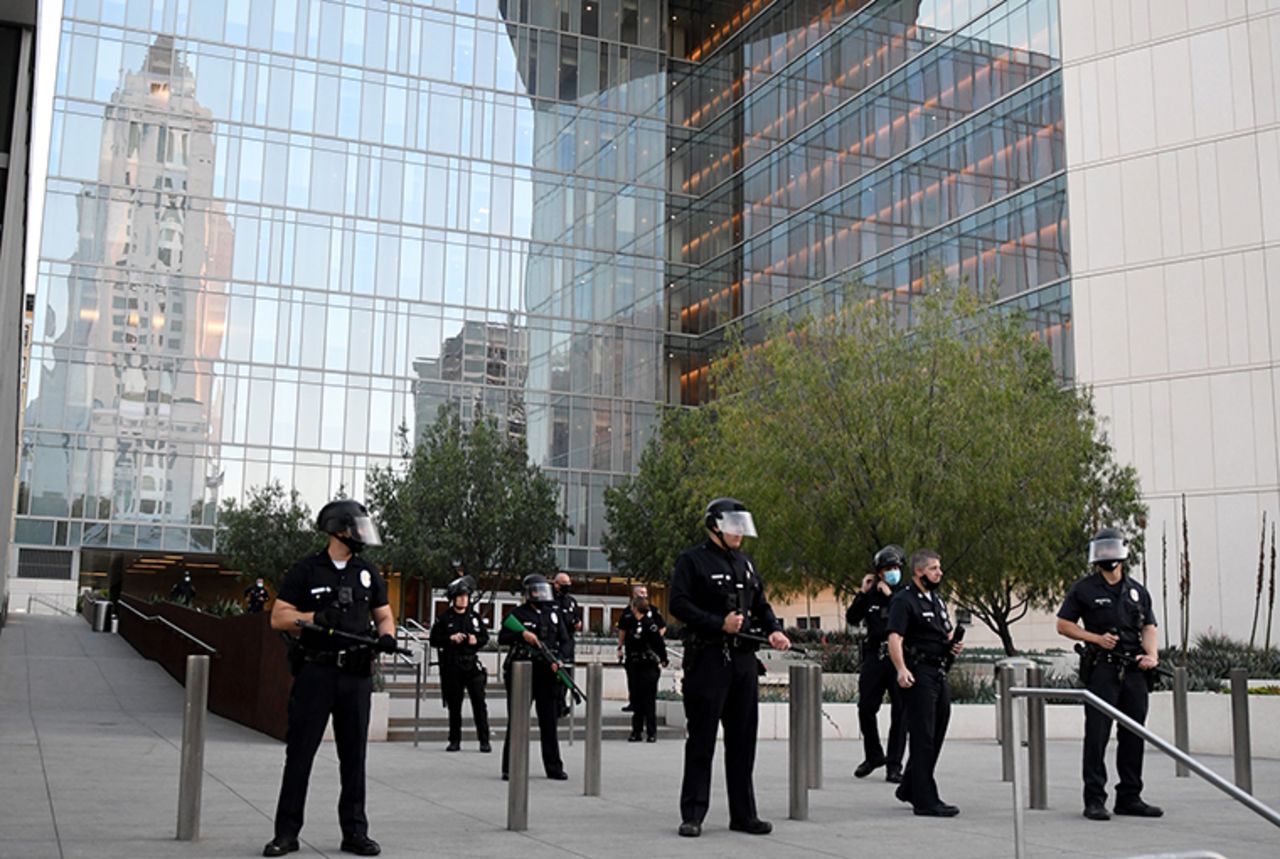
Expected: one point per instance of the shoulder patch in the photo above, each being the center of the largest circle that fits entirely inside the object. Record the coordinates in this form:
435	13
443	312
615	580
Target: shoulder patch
366	579
1133	594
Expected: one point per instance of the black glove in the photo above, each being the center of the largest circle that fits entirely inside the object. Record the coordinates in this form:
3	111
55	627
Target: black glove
329	617
386	644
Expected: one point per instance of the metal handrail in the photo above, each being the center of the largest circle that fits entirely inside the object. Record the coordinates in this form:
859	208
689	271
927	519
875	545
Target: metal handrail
60	609
155	618
409	620
1194	854
1084	695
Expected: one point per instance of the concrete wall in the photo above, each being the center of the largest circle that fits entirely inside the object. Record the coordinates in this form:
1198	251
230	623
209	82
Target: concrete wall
1173	150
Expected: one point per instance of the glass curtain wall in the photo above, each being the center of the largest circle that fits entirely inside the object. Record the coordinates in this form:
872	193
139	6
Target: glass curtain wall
826	154
277	231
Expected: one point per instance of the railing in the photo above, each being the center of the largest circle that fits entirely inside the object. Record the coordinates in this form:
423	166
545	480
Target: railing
213	651
1019	693
35	599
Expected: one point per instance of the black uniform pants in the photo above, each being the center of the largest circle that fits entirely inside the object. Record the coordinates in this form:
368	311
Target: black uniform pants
455	684
318	692
719	693
877	677
546	701
928	706
642	691
1127	691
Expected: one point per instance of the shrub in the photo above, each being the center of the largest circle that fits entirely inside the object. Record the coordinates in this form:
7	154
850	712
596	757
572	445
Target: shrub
225	608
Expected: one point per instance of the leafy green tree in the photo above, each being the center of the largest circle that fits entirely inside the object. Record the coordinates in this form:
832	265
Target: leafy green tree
656	513
265	536
846	433
466	501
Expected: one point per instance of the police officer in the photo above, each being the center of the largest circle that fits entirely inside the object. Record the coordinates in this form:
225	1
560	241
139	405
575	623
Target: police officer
644	653
459	633
571	616
337	589
920	637
878	676
1121	650
183	592
541	620
717	593
256	595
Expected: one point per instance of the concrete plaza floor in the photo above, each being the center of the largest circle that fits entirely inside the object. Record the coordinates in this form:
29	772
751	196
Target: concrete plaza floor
90	732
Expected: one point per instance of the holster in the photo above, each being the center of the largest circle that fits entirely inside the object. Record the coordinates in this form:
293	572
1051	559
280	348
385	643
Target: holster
1088	661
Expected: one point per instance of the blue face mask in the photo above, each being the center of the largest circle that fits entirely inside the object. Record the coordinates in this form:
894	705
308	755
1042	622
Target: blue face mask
892	577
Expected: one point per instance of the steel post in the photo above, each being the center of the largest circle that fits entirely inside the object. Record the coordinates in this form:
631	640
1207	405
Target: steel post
1240	745
417	699
1181	736
1019	778
595	729
1013	672
191	772
1037	771
815	727
518	740
798	741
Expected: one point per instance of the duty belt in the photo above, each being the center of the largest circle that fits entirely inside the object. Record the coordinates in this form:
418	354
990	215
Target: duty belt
340	658
929	659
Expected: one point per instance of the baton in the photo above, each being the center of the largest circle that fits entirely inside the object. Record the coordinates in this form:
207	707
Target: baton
760	639
350	636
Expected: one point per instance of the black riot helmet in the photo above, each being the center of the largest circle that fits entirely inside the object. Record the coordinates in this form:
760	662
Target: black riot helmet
890	556
461	585
729	516
537	589
346	515
1108	547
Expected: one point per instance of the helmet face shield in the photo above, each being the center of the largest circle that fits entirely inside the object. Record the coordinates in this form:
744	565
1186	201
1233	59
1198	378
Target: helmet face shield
737	522
363	529
1107	550
539	592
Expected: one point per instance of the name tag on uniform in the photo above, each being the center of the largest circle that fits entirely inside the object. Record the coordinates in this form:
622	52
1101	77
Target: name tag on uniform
321	590
928	614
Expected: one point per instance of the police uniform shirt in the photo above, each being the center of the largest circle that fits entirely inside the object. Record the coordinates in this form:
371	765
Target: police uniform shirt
570	613
920	617
543	621
873	609
315	583
643	635
1124	606
450	623
709	582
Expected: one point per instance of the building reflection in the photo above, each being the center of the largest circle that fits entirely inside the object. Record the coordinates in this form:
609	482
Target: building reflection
122	416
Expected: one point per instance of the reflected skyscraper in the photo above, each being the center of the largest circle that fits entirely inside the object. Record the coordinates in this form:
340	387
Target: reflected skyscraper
121	424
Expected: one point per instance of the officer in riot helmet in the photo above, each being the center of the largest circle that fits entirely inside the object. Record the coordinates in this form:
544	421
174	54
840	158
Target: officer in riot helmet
540	618
459	634
1120	649
339	590
878	676
719	596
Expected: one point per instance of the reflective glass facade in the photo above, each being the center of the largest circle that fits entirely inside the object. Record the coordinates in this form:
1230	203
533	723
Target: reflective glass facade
854	152
275	231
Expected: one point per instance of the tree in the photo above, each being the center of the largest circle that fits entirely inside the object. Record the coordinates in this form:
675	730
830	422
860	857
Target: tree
466	501
263	538
656	514
850	432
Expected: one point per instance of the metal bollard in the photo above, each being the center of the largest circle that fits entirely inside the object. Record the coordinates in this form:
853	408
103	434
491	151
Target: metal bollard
518	704
191	773
1037	774
799	699
1019	775
1013	672
815	727
1240	745
595	729
573	722
417	700
1181	737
